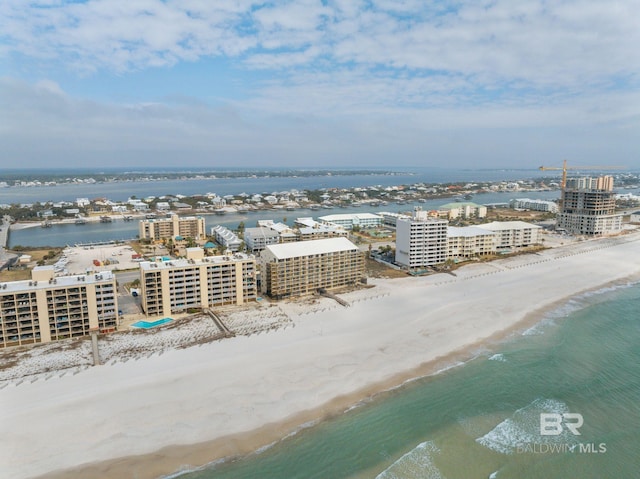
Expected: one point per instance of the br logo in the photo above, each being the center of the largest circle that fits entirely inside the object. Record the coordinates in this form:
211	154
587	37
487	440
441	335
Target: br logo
551	423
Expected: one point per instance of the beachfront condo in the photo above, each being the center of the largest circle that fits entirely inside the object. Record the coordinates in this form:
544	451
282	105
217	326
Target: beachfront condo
303	267
49	308
197	282
588	207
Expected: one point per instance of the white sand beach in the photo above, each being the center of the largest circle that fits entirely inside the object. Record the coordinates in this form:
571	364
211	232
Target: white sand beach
152	416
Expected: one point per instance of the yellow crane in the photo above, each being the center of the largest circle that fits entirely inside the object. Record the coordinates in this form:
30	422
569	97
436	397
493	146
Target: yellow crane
564	169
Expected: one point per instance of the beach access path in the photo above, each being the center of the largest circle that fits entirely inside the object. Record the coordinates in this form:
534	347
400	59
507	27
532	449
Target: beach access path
236	395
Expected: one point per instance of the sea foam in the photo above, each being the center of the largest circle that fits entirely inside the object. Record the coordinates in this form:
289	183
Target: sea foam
416	464
523	428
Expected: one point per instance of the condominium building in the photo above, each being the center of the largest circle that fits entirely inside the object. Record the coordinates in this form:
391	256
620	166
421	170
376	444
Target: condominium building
348	221
165	228
421	241
534	205
469	242
310	229
50	308
303	267
390	218
199	282
465	209
257	239
588	207
227	238
513	234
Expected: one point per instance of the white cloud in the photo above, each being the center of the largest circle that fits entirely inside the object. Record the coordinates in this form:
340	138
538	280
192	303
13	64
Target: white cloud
566	42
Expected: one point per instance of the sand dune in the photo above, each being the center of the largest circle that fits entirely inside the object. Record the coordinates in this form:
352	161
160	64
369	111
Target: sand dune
237	394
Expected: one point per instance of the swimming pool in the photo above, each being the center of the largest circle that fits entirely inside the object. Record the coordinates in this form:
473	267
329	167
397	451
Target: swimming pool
151	324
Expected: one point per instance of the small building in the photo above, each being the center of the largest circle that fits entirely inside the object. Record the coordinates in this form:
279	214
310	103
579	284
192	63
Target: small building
304	267
635	217
226	238
513	234
470	242
257	239
348	221
534	205
391	219
466	209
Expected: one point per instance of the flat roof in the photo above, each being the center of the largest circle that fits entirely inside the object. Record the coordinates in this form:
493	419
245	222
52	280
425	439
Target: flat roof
468	231
349	216
507	225
306	248
261	231
459	204
56	282
183	262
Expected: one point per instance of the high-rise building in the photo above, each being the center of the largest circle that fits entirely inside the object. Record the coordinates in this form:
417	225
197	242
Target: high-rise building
50	308
588	207
198	282
421	241
166	228
303	267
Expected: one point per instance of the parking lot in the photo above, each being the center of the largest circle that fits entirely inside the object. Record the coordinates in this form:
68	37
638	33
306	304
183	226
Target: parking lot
80	259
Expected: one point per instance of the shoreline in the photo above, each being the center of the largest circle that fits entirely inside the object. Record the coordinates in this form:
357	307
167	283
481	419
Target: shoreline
189	458
343	358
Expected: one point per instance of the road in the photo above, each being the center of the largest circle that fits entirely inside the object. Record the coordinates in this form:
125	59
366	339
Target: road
5	257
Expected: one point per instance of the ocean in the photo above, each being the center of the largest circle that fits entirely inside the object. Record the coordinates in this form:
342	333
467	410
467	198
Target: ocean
482	419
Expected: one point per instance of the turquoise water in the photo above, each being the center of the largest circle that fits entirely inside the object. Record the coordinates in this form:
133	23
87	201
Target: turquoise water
482	419
151	324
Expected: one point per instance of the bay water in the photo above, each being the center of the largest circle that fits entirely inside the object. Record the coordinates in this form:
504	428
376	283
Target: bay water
482	419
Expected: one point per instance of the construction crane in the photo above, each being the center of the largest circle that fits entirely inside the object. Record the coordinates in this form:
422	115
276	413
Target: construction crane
564	169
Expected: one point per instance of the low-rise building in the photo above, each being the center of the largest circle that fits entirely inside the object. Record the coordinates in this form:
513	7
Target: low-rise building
49	308
257	239
470	242
513	234
348	221
391	219
310	229
465	209
304	267
227	238
534	205
175	286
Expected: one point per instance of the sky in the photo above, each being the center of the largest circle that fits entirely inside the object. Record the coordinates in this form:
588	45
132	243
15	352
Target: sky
319	83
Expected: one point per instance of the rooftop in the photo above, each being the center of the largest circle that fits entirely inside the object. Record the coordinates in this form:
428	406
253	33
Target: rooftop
56	282
507	225
306	248
467	231
350	216
185	263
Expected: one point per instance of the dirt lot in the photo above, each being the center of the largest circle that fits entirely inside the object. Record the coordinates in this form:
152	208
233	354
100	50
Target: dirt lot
23	272
374	269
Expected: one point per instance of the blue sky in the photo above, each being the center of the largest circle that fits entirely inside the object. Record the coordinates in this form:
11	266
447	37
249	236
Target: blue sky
319	83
